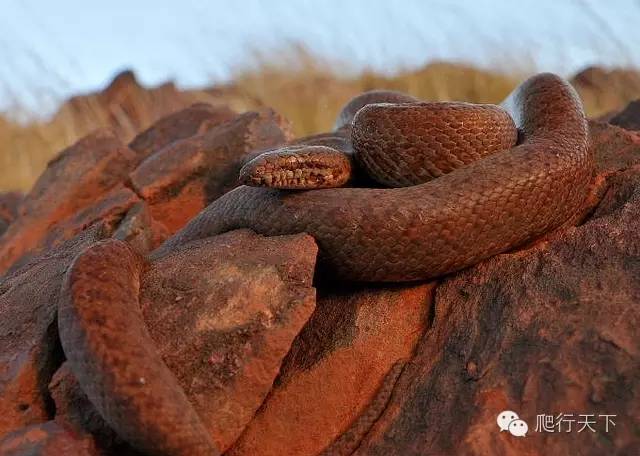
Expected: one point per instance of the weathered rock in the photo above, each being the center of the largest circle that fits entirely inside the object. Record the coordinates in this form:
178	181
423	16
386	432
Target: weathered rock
9	203
127	107
181	179
77	178
47	439
223	312
629	117
31	351
109	210
196	119
614	148
140	229
336	367
547	329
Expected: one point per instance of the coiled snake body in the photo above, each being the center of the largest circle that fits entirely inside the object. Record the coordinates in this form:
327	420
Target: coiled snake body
491	197
482	208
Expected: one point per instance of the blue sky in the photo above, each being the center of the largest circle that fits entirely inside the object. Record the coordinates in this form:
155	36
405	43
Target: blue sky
52	49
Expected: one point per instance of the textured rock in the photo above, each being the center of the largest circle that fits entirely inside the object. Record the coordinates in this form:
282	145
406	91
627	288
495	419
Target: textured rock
109	210
336	366
77	178
629	117
9	203
181	179
223	312
614	148
28	336
140	229
410	369
195	119
47	439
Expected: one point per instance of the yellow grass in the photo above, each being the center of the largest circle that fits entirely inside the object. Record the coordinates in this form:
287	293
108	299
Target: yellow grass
307	91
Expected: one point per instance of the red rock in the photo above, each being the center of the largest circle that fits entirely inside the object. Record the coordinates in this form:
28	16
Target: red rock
9	204
336	366
629	117
74	180
28	336
47	439
140	230
196	119
109	210
614	148
224	312
127	107
181	179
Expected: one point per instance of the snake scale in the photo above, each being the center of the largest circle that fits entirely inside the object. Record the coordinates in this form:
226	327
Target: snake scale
497	188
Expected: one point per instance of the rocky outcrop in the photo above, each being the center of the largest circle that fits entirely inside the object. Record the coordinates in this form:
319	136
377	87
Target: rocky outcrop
9	204
77	179
548	330
629	117
101	179
179	180
31	351
337	366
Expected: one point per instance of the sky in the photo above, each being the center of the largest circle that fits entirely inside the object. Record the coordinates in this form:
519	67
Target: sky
50	50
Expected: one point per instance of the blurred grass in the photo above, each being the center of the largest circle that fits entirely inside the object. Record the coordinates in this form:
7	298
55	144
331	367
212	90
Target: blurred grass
310	92
306	90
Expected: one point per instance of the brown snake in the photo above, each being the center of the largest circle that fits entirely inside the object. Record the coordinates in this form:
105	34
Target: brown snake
491	200
479	209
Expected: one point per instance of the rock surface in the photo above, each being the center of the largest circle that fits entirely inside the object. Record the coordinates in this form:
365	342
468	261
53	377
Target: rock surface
9	205
177	166
31	350
181	179
197	118
336	366
46	439
629	117
545	331
223	312
75	180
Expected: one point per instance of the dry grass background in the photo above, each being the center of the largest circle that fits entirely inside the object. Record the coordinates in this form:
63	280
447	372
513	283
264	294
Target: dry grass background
306	90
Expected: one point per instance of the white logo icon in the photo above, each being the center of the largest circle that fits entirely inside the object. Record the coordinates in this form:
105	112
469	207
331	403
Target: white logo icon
510	421
518	428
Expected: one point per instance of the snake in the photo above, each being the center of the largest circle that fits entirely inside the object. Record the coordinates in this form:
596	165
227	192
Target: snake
449	185
462	183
